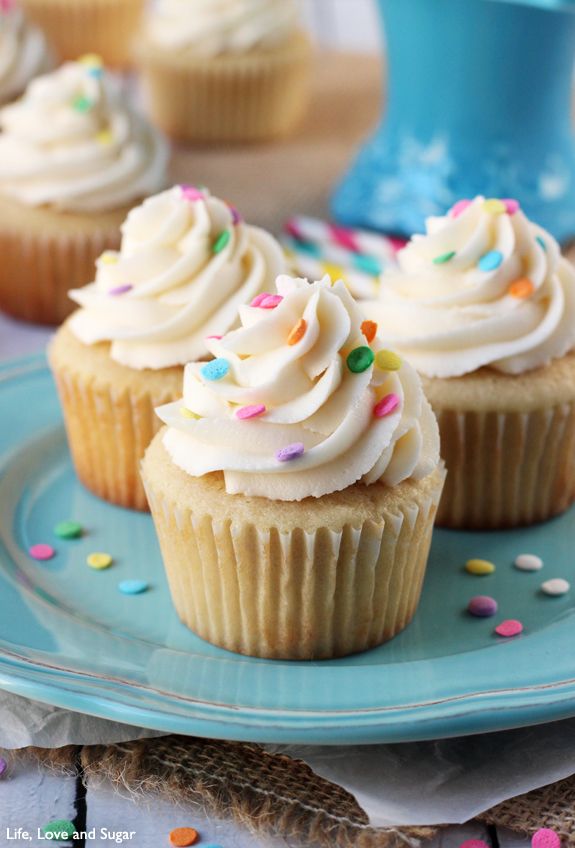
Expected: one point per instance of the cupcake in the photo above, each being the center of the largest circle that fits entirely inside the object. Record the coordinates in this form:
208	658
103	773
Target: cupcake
73	160
483	306
185	264
23	52
295	486
74	27
225	70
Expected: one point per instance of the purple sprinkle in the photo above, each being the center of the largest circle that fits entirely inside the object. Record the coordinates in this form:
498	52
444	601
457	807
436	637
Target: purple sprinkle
290	452
3	766
191	193
236	217
482	606
121	289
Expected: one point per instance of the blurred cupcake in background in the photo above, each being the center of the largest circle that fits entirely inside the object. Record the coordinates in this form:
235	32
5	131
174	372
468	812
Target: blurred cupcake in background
74	27
23	52
225	70
73	160
186	263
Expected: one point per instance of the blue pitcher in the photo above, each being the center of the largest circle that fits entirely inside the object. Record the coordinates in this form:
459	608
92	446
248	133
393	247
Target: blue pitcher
479	102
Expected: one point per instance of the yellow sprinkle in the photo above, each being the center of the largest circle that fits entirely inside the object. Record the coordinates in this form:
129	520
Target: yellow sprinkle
99	560
91	60
479	566
387	360
105	137
335	272
109	258
187	413
494	206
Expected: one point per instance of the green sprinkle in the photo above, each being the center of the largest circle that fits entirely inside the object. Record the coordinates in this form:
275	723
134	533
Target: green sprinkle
68	530
81	104
540	241
360	359
443	258
60	830
221	241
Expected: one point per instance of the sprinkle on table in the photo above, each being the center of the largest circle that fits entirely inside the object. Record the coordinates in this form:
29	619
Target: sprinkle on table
290	452
474	843
479	566
545	838
119	290
369	330
183	837
133	587
490	261
297	332
99	560
459	208
221	241
509	627
215	370
528	562
494	206
254	410
360	359
555	587
387	360
482	606
3	766
191	193
41	552
521	288
443	257
59	830
386	405
540	241
68	530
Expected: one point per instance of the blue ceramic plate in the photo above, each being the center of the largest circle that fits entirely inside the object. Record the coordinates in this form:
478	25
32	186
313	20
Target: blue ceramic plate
70	638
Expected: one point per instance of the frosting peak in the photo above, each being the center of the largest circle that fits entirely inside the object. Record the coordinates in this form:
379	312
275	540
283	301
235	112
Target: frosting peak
298	403
71	142
23	52
483	287
186	262
222	26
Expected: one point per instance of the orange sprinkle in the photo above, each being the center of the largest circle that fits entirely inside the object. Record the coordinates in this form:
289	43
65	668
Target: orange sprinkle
369	329
523	287
182	837
297	332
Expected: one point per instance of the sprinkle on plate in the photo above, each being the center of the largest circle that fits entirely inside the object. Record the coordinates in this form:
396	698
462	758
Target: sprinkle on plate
41	551
68	530
133	587
479	566
509	627
528	562
99	560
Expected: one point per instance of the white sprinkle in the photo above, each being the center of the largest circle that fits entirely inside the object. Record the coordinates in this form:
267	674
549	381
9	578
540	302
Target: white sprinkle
528	562
557	586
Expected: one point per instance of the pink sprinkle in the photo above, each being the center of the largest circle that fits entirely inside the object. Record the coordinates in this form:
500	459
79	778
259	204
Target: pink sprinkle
191	193
6	5
511	206
250	411
474	843
292	229
386	405
459	207
270	301
214	337
120	289
344	237
41	551
259	297
545	838
397	244
509	627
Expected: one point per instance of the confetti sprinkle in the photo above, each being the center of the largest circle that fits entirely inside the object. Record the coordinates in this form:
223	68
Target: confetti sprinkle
259	298
541	243
183	837
187	413
118	290
528	562
99	560
215	370
221	241
290	452
81	104
545	838
298	332
3	766
459	207
254	410
521	288
387	360
511	206
360	359
386	405
6	5
104	137
59	830
367	264
490	261
236	217
214	337
494	206
482	606
133	587
509	627
270	301
556	586
474	843
108	258
369	330
41	552
68	530
443	258
191	193
479	566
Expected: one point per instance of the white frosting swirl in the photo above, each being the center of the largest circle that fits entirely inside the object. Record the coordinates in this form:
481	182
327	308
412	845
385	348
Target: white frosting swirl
211	27
483	287
23	53
72	143
312	401
187	261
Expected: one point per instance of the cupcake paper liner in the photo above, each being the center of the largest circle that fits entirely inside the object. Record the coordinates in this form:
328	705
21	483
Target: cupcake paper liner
293	594
249	97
